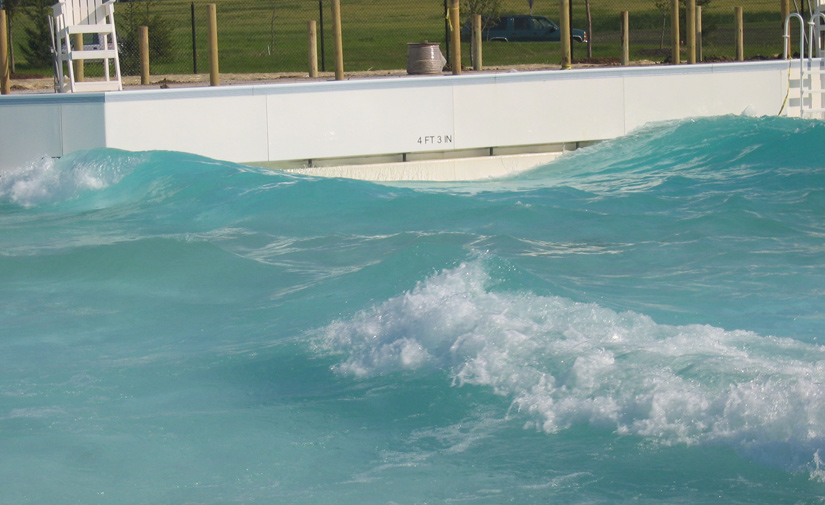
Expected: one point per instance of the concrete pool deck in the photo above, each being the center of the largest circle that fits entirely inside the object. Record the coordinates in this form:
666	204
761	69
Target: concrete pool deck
28	85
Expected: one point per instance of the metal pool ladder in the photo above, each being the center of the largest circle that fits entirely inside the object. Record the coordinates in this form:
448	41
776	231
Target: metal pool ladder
811	77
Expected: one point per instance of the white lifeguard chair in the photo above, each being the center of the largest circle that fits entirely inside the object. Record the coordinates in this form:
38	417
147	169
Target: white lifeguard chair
93	18
817	8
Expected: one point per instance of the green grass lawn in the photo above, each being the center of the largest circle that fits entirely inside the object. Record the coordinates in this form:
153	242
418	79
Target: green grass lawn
271	36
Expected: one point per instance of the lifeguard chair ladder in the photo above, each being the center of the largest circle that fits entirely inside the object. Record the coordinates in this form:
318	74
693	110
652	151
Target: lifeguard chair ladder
83	17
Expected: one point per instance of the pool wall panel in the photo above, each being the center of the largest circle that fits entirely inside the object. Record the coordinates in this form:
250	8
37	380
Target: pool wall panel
229	128
414	118
359	122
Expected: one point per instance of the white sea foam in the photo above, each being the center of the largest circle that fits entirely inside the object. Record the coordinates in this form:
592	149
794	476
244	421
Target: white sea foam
564	363
54	180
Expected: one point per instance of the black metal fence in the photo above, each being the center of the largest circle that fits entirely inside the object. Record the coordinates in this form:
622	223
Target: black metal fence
267	36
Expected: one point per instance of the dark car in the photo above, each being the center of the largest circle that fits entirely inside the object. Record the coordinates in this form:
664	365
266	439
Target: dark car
521	28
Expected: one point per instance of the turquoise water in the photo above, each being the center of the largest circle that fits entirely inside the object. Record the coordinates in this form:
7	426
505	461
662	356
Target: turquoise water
638	322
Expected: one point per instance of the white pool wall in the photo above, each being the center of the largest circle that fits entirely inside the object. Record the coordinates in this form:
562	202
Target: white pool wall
387	121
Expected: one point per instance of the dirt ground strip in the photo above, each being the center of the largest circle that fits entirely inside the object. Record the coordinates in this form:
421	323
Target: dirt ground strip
21	84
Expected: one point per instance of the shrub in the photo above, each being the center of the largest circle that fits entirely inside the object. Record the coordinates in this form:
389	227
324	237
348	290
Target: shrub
129	19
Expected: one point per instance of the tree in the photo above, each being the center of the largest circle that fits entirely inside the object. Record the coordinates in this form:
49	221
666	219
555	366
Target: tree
489	9
38	47
664	8
135	15
11	7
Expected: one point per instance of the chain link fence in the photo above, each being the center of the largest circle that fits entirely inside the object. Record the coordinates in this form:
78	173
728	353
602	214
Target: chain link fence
268	36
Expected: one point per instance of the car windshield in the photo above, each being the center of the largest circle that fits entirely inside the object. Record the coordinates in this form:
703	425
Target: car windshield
521	23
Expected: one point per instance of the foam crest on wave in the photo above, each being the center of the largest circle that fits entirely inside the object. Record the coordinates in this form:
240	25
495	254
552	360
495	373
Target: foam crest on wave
564	363
51	180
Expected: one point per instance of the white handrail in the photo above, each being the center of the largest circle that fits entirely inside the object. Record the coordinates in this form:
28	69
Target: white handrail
811	31
787	44
787	35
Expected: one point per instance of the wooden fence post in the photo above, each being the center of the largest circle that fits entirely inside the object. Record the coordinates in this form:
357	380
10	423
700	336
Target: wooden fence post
79	70
564	21
312	48
740	33
455	37
675	43
699	56
477	42
143	36
625	38
212	41
5	84
338	40
690	28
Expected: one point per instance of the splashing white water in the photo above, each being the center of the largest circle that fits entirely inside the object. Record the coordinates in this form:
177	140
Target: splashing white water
55	180
564	363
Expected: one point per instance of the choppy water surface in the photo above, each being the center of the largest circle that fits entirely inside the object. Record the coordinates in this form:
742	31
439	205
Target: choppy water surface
640	321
